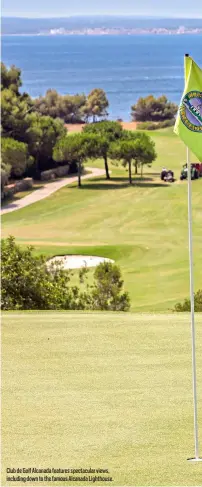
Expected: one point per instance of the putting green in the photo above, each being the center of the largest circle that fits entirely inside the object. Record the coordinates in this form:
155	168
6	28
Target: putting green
101	390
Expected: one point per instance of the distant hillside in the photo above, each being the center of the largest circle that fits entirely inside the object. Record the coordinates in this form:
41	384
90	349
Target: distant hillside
15	25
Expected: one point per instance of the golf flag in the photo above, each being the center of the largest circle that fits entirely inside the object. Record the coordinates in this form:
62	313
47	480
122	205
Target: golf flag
189	119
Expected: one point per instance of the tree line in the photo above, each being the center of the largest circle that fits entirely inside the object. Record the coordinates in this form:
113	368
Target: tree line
31	128
106	140
73	108
35	139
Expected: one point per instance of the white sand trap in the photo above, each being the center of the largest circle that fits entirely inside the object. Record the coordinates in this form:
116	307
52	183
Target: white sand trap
78	261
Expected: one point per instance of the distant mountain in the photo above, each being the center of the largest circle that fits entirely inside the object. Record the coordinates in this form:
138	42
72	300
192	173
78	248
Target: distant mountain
17	25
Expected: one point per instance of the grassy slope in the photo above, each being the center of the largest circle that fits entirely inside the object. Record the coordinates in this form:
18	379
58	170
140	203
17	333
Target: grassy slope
102	390
144	227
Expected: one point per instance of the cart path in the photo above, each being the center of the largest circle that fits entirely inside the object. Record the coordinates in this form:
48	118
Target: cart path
48	189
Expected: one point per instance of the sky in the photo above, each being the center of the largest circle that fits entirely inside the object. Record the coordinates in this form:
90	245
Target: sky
59	8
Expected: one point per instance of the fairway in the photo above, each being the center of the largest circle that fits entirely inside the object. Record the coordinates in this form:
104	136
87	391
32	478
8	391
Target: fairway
101	390
143	227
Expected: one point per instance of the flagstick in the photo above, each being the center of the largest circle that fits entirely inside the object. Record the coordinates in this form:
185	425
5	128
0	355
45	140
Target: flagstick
192	310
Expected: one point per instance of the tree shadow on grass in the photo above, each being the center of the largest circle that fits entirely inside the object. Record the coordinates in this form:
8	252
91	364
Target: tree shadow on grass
7	205
142	184
122	182
145	179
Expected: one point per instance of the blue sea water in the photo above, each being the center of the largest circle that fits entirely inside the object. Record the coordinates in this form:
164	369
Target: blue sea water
126	67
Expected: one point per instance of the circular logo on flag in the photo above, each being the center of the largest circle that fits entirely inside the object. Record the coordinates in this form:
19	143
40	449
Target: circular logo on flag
191	111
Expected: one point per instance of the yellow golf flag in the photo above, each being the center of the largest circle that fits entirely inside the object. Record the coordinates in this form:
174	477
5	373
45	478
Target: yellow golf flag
189	119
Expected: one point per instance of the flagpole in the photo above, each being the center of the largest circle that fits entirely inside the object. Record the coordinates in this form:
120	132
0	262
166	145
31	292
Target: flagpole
191	273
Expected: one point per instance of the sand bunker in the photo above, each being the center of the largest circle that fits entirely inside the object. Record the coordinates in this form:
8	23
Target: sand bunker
78	261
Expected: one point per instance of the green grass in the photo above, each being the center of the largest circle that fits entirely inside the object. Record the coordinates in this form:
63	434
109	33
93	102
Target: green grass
143	227
102	390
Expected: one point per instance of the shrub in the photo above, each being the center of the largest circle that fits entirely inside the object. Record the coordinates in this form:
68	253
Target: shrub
156	125
167	123
186	305
107	292
28	284
147	126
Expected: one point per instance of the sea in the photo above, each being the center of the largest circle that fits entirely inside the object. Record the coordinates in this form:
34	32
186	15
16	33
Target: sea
126	67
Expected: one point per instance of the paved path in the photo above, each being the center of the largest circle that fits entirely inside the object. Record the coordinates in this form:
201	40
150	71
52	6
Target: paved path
47	190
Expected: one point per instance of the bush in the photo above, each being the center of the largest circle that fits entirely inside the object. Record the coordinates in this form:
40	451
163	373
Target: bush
166	123
156	125
28	284
186	305
107	292
147	126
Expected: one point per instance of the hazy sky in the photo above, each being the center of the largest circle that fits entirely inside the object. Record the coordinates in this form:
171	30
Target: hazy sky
57	8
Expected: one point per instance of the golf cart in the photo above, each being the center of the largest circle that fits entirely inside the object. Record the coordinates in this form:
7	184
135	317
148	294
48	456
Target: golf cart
167	175
195	173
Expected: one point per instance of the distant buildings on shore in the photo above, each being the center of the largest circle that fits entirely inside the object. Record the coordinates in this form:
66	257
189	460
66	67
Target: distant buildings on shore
100	25
123	31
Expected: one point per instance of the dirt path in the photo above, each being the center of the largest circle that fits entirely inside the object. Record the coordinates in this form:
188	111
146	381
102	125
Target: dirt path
78	127
47	190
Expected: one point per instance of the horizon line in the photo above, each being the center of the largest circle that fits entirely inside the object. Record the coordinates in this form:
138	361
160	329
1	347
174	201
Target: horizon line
27	17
